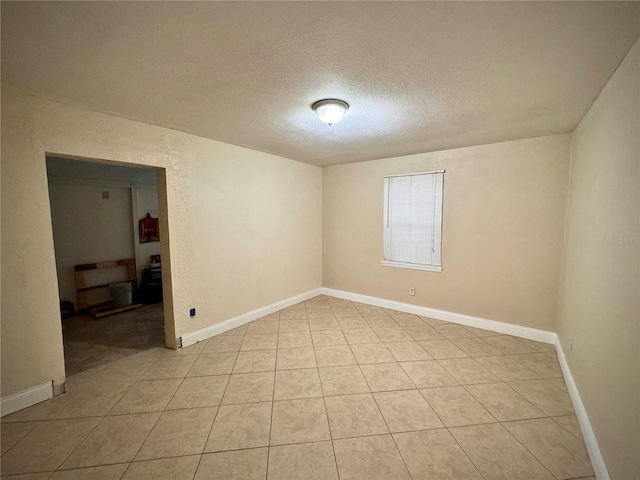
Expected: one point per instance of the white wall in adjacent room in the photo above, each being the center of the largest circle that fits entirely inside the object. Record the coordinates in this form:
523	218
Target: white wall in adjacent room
88	228
145	201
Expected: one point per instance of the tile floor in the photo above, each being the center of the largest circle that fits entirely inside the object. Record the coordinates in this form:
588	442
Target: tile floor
325	389
89	343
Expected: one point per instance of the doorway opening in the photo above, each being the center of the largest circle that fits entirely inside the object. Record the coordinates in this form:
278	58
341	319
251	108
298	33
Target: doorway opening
107	239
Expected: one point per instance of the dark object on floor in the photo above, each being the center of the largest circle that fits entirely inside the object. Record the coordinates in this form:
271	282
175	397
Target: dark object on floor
122	294
67	309
152	285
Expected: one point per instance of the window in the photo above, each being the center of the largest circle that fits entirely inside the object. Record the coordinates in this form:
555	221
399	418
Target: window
413	221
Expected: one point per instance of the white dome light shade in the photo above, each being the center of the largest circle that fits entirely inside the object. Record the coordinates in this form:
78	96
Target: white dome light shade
330	111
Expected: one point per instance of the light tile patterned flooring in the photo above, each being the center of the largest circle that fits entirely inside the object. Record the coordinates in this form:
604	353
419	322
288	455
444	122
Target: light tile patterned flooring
325	389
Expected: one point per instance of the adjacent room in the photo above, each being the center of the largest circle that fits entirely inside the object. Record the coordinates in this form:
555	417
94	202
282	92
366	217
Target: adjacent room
107	243
320	240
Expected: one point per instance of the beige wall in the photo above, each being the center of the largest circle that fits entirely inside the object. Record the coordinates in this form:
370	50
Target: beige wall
504	207
257	227
275	207
601	287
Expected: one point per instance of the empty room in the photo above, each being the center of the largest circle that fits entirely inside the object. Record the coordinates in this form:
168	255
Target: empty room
355	240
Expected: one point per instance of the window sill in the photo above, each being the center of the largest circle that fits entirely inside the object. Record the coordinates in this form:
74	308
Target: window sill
412	266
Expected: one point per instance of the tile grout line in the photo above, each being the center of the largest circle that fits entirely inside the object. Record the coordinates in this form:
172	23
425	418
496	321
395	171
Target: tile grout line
326	412
324	397
500	422
466	453
375	400
217	410
159	416
460	384
563	427
527	450
102	419
273	396
67	457
485	407
18	441
470	393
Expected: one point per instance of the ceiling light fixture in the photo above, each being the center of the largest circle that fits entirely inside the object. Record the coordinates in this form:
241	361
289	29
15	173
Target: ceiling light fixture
330	110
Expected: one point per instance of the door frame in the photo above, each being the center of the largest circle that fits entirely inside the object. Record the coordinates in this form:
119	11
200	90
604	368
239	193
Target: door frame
165	248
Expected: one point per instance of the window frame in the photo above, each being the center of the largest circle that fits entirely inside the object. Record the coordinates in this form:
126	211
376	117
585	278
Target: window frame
409	265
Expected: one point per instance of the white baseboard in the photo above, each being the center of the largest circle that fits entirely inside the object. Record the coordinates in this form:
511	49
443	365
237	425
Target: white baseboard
462	319
459	318
597	460
26	398
226	325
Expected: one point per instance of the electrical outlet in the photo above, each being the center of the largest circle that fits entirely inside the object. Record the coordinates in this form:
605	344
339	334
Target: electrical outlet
412	291
570	344
192	312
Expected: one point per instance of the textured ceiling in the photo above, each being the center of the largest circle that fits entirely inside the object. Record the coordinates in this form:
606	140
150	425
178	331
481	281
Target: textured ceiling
419	76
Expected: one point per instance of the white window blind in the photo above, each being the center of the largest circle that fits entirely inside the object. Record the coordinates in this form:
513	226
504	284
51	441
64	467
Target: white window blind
413	221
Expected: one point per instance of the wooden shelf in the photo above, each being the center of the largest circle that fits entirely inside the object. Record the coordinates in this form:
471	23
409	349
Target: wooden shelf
110	264
81	282
94	287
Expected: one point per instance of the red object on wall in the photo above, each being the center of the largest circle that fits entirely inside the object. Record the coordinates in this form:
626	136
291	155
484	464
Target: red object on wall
149	229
